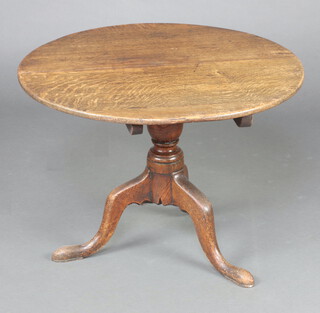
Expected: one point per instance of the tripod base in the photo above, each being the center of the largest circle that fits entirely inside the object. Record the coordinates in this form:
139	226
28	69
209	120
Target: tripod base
164	181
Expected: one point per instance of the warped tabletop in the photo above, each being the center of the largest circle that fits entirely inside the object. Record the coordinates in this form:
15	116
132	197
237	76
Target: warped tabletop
160	74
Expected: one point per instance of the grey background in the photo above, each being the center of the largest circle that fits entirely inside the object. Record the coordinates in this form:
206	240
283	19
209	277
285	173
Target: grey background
57	169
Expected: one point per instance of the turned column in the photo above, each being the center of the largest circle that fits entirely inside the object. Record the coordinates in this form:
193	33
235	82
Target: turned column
164	160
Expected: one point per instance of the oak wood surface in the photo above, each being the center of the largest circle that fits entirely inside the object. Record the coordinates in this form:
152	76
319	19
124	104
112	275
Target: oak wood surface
161	74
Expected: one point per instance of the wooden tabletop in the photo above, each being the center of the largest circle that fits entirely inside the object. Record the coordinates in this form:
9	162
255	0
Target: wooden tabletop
161	74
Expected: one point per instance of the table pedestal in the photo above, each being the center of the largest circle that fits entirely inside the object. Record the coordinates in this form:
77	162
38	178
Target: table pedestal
164	181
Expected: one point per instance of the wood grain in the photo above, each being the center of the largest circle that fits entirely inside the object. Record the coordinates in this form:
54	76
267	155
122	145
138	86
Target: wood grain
161	74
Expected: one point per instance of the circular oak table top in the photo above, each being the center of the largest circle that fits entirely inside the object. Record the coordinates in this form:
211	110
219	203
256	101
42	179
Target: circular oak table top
161	74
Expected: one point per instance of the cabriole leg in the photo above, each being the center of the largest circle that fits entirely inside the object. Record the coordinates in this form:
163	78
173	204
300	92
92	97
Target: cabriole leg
134	191
194	202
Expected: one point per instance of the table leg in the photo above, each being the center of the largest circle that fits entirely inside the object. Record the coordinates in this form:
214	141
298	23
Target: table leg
194	202
135	191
